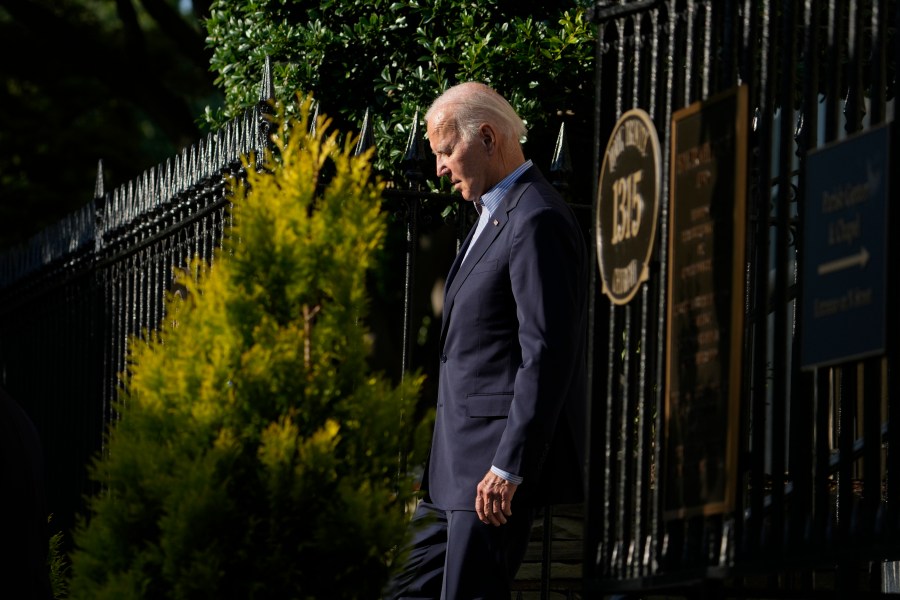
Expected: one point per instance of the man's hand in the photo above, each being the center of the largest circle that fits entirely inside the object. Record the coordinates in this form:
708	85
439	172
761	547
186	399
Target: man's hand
493	499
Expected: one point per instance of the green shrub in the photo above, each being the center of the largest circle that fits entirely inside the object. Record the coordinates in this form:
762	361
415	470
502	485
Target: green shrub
395	56
58	565
257	455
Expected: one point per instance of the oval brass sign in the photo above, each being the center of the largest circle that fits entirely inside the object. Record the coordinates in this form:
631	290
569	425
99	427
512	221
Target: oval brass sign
628	205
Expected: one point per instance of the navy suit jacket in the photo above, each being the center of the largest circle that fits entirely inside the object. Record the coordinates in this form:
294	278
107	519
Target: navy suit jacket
512	351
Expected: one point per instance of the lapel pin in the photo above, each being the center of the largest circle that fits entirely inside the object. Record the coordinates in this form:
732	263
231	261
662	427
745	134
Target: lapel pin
496	222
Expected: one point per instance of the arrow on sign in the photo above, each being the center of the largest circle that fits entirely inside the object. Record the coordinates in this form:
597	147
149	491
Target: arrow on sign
859	259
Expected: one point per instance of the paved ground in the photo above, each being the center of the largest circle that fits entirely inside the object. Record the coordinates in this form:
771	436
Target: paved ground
565	557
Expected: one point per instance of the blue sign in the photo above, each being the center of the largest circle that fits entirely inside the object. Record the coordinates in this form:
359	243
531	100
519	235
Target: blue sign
845	250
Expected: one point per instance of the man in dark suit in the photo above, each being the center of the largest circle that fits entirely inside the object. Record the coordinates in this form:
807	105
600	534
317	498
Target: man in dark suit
509	428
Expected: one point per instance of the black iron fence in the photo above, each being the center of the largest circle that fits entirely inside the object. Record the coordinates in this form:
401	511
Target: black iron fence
74	294
814	507
810	506
77	294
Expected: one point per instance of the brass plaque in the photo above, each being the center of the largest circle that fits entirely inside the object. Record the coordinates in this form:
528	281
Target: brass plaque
705	308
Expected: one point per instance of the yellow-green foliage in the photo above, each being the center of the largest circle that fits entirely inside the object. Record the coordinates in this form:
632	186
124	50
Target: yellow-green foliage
256	455
58	564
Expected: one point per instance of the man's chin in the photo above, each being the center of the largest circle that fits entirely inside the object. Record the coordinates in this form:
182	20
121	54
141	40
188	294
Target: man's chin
464	194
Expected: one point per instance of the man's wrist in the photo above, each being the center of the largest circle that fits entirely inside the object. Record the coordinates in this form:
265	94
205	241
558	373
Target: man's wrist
510	477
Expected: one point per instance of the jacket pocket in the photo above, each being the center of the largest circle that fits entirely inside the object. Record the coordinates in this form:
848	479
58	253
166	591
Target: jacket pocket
488	405
484	266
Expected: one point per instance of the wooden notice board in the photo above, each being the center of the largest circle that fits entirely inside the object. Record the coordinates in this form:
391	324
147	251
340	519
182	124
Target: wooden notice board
705	305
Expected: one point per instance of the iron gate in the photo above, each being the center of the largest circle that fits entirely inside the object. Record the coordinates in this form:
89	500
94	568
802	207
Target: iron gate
815	509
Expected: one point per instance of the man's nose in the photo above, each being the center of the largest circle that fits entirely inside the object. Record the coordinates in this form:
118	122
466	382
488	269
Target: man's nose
441	168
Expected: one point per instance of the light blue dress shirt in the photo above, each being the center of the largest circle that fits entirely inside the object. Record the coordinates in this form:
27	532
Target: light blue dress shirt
491	200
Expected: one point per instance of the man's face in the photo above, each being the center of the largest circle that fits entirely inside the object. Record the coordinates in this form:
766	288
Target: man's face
464	163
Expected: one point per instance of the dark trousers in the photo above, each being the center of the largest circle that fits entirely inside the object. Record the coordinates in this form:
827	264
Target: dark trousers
454	556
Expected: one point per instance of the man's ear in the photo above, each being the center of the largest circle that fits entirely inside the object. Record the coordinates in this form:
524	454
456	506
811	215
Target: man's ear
488	138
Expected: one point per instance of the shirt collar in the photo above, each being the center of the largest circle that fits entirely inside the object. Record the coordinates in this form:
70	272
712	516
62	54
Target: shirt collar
491	199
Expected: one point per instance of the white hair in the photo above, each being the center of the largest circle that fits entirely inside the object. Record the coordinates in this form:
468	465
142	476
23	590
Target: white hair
471	104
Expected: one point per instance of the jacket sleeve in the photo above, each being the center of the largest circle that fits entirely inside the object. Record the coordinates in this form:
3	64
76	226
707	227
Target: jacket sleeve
545	265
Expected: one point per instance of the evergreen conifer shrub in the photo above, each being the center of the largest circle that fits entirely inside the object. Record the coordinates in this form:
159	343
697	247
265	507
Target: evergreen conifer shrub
257	455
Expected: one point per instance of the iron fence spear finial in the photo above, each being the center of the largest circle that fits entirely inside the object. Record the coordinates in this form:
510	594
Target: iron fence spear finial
266	86
366	136
313	118
99	207
561	163
98	186
266	108
415	155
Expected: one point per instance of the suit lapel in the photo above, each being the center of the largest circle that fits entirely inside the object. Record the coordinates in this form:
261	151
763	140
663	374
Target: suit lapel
460	270
454	268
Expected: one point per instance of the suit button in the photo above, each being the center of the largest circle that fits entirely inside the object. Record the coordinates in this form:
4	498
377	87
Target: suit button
443	358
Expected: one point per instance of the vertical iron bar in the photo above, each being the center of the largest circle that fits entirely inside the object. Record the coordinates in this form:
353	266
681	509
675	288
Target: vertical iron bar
625	438
834	99
597	523
546	552
155	283
619	330
728	75
412	219
708	68
615	408
871	431
689	95
643	507
642	94
824	515
802	429
145	297
892	438
634	377
656	534
834	70
131	301
855	106
765	96
653	332
878	66
892	321
643	432
412	214
640	407
782	325
694	53
620	46
613	402
593	539
846	391
747	69
121	291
